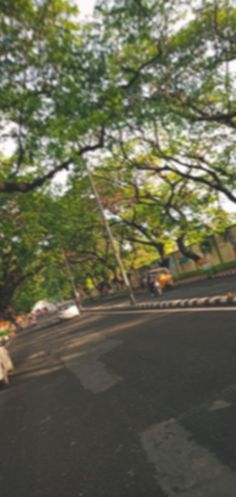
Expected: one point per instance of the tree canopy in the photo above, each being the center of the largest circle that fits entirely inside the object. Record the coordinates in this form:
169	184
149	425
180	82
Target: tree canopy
148	86
47	109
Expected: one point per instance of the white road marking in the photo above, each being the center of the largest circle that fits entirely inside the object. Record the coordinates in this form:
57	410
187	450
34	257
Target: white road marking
219	404
37	354
161	311
89	368
183	468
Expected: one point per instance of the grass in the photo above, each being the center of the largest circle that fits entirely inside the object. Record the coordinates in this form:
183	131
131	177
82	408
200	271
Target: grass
225	266
188	275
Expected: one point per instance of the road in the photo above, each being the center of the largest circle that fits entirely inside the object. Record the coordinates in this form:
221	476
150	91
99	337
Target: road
126	404
208	287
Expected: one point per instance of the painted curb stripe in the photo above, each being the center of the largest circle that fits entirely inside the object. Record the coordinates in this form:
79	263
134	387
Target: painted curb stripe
217	300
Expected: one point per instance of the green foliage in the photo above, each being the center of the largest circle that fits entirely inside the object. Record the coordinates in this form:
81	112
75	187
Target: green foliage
48	93
176	67
153	82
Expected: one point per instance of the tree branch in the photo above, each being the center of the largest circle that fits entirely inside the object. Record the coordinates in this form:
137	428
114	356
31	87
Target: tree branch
26	186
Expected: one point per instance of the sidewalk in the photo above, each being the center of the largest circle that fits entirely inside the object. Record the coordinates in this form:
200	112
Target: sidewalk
221	274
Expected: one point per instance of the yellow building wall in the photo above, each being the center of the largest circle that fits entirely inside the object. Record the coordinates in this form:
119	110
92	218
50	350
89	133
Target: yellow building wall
223	249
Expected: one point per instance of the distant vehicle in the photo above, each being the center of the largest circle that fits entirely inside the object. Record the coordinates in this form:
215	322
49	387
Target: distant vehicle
68	312
159	280
44	306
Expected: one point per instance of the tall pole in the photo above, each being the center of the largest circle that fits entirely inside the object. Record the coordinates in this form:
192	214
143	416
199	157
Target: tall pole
72	281
109	233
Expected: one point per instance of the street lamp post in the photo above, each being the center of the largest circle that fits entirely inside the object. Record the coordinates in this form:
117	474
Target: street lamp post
110	235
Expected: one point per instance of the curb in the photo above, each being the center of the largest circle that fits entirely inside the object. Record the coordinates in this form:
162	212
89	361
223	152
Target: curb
230	272
215	301
203	277
189	281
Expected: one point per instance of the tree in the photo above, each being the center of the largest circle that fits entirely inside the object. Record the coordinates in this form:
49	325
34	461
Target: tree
47	93
178	67
158	212
42	229
151	81
23	253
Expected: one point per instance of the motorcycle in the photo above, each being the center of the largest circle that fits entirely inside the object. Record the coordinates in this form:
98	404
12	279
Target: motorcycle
159	280
157	289
154	288
6	365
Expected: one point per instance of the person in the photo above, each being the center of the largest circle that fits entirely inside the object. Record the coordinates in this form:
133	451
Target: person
150	285
6	364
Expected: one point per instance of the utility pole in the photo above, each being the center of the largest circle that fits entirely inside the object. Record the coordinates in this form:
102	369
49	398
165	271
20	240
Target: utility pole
110	236
72	281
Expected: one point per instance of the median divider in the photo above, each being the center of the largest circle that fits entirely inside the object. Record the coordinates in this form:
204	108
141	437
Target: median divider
214	301
223	274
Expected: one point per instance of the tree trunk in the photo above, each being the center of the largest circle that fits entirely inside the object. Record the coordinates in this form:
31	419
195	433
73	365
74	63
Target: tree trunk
164	262
6	296
186	251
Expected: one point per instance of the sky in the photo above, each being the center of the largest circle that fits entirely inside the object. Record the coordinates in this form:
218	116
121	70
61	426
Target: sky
85	6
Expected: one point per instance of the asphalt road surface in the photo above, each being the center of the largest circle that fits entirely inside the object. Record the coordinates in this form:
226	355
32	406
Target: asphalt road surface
204	288
209	287
129	404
